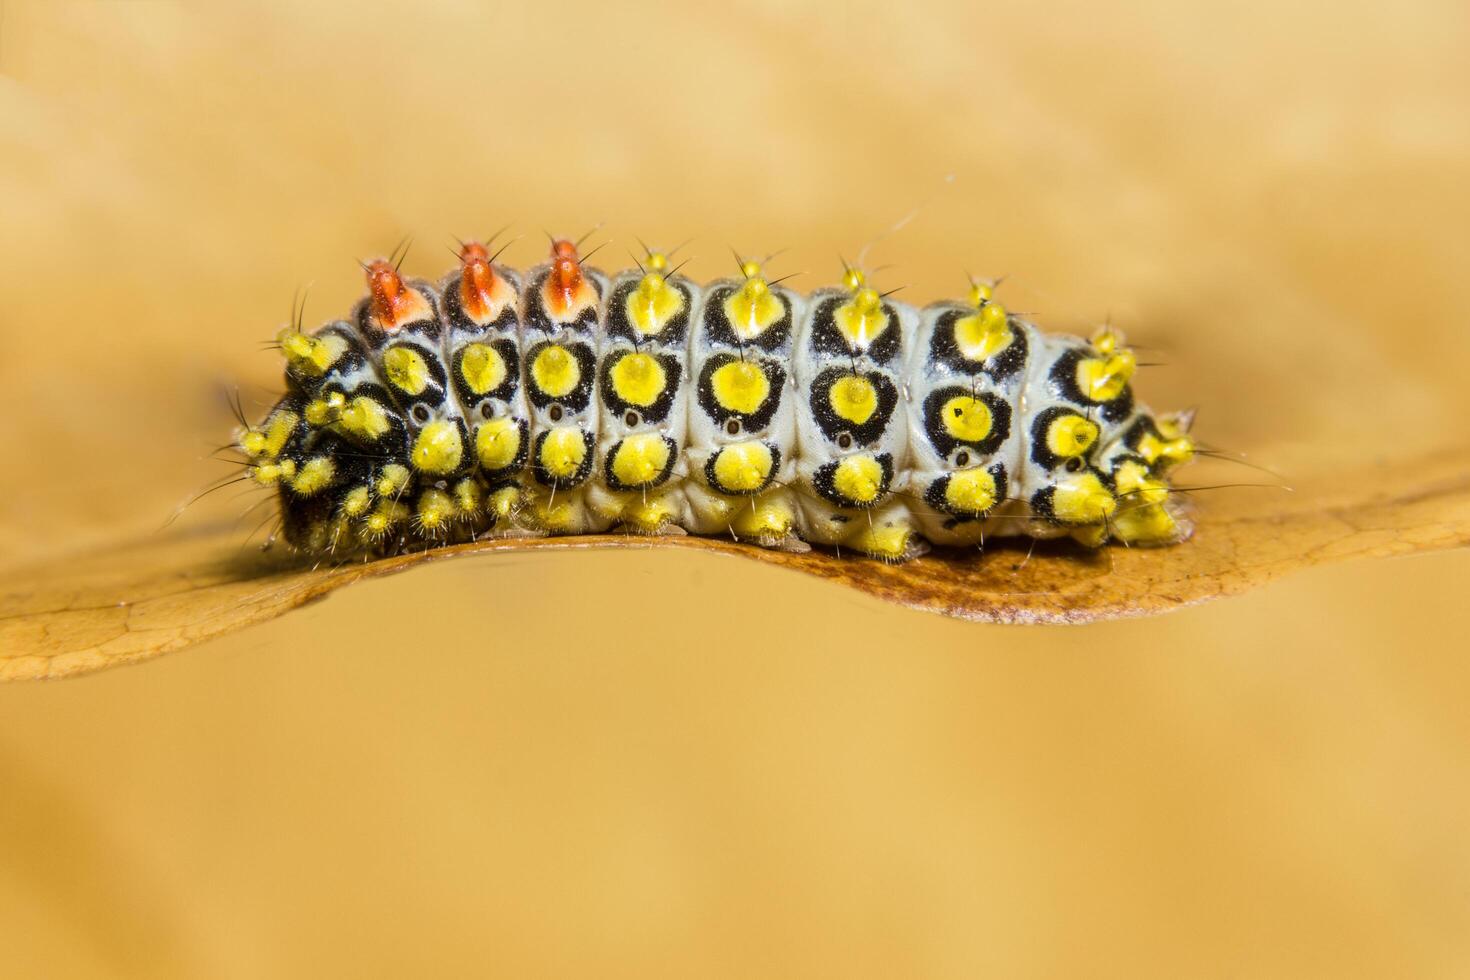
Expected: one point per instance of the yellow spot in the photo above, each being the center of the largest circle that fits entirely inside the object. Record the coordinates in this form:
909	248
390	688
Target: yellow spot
505	502
365	418
640	459
314	476
653	304
983	334
357	501
497	443
320	411
752	308
406	370
556	371
1070	435
970	492
638	379
311	356
740	386
858	478
468	497
386	516
392	480
966	419
1103	379
743	467
271	440
438	448
1081	498
749	269
862	319
657	261
562	452
853	398
435	510
482	368
889	541
853	280
764	517
980	293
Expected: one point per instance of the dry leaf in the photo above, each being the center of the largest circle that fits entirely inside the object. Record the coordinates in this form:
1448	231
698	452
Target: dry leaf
134	602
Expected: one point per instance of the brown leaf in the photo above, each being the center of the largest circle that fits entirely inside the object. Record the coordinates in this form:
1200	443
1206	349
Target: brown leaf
133	602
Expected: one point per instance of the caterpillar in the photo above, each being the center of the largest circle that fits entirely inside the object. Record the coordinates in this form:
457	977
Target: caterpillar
565	401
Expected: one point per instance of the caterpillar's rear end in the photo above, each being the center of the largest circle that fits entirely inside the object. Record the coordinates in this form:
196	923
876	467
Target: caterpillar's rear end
565	402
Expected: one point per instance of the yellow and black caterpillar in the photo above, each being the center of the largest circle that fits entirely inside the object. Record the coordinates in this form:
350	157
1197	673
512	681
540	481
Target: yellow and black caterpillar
565	402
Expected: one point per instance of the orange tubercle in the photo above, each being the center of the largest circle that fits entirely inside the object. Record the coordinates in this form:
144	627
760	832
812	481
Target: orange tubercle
481	292
393	303
566	291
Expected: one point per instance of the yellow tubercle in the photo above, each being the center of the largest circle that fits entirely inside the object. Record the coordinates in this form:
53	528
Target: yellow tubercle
562	452
853	398
1069	436
752	308
657	261
853	280
767	517
438	448
384	518
1145	524
887	541
497	443
556	371
1102	379
392	480
269	474
744	467
365	418
640	459
1081	498
970	492
314	476
311	356
649	516
862	319
324	410
1136	485
653	303
268	441
406	369
740	386
858	478
482	368
638	379
966	419
980	294
435	510
357	501
505	502
469	497
983	334
1106	340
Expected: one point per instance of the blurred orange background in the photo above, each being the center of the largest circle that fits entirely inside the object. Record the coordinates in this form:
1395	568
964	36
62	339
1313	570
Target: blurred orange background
560	765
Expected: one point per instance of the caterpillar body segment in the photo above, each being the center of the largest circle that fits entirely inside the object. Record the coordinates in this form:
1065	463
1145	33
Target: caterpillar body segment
563	401
561	338
967	373
741	448
852	420
642	389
